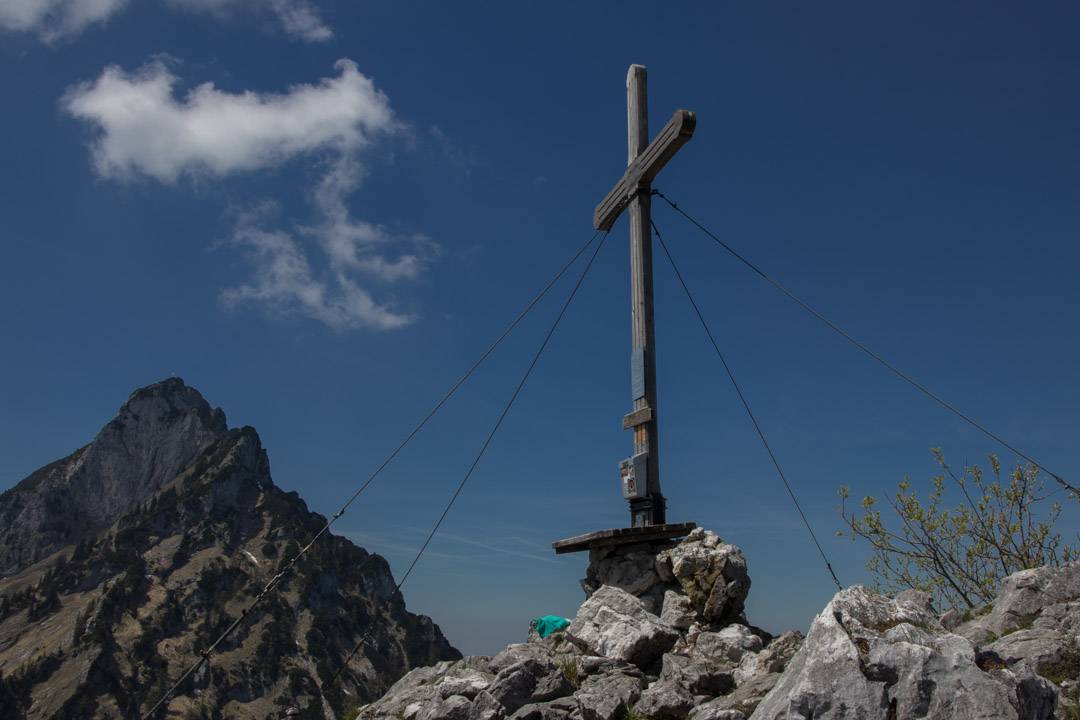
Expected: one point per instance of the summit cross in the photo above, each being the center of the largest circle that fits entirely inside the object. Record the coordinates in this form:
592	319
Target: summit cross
640	473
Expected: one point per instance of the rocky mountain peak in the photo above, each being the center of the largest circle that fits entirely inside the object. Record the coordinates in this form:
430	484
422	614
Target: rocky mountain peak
155	434
127	558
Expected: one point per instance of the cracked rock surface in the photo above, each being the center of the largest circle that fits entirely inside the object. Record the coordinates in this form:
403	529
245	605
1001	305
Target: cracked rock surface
674	643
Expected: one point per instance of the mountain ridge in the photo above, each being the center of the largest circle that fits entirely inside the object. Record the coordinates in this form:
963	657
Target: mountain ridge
101	619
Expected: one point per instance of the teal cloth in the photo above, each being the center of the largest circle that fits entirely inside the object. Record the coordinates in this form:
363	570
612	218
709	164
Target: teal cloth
550	624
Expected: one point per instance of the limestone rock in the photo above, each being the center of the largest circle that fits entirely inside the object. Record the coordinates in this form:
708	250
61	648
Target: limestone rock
711	573
415	694
1025	598
918	598
454	707
731	644
677	610
665	700
631	568
469	685
868	657
608	696
529	681
700	677
773	659
485	707
561	709
713	710
615	624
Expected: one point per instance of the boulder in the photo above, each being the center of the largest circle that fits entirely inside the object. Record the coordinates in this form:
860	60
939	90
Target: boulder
469	684
631	568
561	709
485	707
413	692
697	676
454	707
918	598
714	711
711	573
677	610
869	657
519	652
665	700
773	659
597	665
608	696
729	644
1025	596
615	624
529	681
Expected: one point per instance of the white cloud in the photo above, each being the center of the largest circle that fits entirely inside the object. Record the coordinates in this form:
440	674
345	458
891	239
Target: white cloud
352	244
53	20
284	281
298	18
144	129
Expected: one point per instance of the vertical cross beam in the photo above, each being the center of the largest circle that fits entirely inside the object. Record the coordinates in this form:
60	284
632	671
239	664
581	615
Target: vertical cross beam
649	510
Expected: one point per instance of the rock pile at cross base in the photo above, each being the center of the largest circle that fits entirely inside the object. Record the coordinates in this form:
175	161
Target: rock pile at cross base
662	635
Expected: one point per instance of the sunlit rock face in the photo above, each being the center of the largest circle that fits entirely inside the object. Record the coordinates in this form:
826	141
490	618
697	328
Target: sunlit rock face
662	635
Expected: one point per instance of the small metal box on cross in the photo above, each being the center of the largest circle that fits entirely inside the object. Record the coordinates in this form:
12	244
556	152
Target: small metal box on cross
640	473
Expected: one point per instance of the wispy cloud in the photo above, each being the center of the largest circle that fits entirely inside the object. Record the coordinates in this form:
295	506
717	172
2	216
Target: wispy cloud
297	18
460	158
144	131
54	20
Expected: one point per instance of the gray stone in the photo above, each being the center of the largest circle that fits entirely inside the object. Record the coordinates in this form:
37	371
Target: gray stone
702	678
918	598
412	693
485	707
1024	596
773	659
529	681
870	657
560	709
599	665
609	696
665	700
677	611
513	654
454	707
631	568
728	644
469	684
713	710
615	624
951	619
711	573
1035	648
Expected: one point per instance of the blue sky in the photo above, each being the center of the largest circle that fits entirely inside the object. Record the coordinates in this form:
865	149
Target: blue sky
319	213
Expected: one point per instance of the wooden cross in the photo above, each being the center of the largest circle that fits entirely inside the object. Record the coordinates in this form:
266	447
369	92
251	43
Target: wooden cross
641	472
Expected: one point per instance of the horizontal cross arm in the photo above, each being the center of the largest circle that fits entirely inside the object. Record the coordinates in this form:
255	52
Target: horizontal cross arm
647	166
